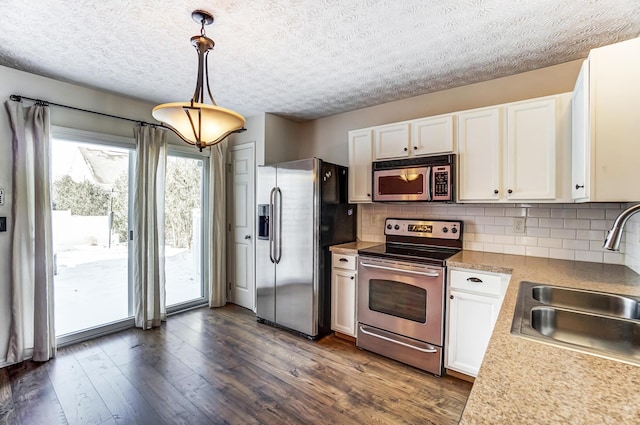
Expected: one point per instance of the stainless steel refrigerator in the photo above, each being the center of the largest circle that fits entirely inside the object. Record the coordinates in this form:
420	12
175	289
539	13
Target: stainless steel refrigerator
303	209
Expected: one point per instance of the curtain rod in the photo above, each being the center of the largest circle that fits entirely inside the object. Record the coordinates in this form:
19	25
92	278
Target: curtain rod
18	98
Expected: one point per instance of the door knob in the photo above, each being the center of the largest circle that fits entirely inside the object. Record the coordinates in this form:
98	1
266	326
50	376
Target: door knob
247	236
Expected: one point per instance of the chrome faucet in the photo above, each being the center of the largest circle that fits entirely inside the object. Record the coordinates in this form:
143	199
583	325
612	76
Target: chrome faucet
612	241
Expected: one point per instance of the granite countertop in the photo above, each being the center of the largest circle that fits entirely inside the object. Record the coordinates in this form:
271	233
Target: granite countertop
528	382
351	248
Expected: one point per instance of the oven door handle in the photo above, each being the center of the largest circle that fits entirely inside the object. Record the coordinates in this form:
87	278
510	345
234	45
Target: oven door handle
429	274
404	344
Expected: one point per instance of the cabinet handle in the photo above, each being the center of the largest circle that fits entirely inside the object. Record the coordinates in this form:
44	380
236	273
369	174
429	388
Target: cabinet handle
415	148
474	280
451	296
369	195
343	260
406	149
353	277
509	191
496	191
579	186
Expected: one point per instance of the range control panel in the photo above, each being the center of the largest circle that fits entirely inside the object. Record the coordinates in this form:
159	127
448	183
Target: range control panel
441	229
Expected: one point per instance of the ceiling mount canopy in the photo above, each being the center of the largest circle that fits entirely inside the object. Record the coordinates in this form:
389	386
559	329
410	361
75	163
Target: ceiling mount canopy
198	123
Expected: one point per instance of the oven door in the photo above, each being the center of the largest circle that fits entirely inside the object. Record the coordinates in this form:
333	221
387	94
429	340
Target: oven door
401	297
402	184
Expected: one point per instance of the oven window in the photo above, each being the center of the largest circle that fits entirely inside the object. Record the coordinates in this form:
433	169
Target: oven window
405	184
398	299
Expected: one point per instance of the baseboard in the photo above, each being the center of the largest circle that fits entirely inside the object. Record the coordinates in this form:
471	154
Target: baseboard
460	375
345	337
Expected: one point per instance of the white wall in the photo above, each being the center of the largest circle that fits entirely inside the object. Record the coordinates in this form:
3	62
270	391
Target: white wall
17	82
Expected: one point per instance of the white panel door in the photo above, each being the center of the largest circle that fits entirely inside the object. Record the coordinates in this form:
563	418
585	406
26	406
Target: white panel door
391	141
343	303
360	157
432	135
531	150
480	155
241	270
471	321
580	136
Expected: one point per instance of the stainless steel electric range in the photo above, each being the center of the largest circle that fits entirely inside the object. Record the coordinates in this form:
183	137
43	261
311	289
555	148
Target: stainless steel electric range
401	290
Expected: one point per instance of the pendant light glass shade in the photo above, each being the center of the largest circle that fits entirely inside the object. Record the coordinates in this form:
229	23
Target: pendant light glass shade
196	122
201	125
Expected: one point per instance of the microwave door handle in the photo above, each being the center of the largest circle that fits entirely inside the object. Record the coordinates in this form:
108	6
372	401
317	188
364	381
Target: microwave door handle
429	184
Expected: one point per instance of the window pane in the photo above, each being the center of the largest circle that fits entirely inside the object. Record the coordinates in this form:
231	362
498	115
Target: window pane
90	227
183	229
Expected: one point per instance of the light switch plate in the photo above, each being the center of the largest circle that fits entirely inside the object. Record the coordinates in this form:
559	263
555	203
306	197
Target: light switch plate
1	196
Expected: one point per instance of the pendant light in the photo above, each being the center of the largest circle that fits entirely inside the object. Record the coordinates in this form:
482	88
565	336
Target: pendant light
196	122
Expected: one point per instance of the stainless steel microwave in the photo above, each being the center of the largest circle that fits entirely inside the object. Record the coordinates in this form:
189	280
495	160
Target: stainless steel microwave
422	179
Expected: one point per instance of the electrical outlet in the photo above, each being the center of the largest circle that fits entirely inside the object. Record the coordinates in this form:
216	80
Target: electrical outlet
518	225
1	196
3	224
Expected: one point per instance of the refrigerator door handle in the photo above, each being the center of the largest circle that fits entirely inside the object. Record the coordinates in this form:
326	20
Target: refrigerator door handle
278	244
271	225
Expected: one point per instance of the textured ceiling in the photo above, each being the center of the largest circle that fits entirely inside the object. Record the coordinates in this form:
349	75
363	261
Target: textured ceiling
303	59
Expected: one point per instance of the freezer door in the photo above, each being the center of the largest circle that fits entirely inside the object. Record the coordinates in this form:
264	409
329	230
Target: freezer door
297	249
265	267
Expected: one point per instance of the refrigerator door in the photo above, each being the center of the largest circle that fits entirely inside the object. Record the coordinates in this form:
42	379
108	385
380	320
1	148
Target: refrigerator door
265	267
297	249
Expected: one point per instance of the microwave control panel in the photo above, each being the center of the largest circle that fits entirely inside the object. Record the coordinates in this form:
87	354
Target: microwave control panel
441	183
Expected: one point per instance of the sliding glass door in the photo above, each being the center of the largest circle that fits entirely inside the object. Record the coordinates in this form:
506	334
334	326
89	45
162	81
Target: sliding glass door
184	212
90	196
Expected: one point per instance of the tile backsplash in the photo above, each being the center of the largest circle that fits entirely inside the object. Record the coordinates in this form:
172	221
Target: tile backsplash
564	231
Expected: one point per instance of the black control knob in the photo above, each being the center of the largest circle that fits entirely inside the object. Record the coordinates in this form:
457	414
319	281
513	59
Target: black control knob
445	230
396	227
389	226
454	230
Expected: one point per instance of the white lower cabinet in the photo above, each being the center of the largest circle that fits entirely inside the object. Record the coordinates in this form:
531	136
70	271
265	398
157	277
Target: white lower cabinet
343	293
473	304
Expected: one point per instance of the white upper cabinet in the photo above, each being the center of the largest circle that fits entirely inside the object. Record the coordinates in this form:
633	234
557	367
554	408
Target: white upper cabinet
424	136
432	135
516	152
480	155
360	157
391	141
531	150
606	138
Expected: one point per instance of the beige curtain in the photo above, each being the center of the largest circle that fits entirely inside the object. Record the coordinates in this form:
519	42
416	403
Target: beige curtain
32	314
217	266
148	227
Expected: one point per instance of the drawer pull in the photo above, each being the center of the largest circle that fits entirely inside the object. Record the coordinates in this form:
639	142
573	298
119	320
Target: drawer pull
344	260
474	280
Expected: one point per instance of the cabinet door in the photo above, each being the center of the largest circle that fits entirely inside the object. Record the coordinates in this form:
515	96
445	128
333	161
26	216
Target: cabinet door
531	150
580	136
471	321
391	141
432	135
480	155
343	302
360	157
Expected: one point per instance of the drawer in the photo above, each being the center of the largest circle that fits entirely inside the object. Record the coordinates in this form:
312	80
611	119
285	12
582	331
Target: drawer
341	261
489	284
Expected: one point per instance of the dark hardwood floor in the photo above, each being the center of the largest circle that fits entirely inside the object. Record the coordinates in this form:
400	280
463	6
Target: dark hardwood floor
221	367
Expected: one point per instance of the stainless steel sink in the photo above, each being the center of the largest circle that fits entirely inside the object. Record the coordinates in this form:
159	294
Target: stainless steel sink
595	302
599	323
